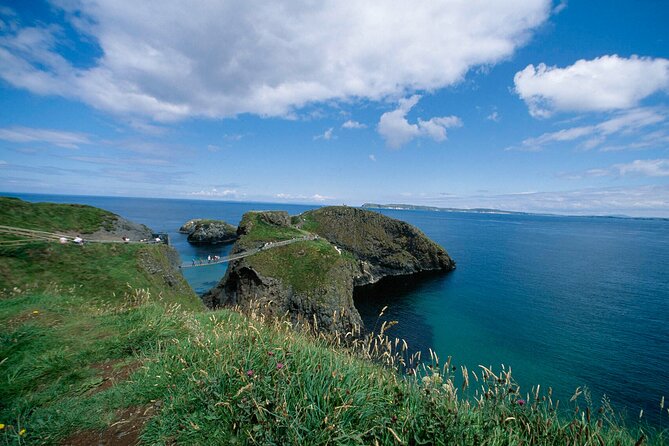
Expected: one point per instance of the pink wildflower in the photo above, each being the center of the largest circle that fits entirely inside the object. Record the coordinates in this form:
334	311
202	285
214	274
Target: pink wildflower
249	373
279	365
520	402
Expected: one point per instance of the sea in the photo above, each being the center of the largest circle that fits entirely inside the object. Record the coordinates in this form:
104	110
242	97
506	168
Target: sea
566	302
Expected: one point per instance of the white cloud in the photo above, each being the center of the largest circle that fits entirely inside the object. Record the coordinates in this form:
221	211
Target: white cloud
560	7
350	124
372	157
648	201
494	116
625	123
396	130
315	197
326	135
59	138
644	168
602	84
648	168
215	193
172	60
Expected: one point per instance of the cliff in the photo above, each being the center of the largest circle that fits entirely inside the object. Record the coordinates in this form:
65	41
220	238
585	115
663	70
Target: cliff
203	231
313	280
384	246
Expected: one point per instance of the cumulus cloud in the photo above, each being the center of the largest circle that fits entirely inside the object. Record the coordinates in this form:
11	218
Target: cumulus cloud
396	130
350	124
602	84
59	138
494	117
629	122
372	157
218	59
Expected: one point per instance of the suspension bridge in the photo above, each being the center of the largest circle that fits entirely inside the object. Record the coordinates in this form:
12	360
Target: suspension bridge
249	252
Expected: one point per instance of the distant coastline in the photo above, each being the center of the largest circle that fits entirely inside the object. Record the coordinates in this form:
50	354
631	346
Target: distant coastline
413	207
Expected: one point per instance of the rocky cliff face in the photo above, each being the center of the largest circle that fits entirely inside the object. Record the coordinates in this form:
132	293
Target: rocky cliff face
383	245
118	227
189	226
313	280
211	232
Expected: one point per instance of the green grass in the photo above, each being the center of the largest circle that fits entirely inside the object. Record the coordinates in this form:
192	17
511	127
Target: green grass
225	378
304	266
99	271
264	232
53	217
73	319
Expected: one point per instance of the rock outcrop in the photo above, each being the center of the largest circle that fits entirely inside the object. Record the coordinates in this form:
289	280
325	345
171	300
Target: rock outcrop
189	226
210	232
118	227
383	245
313	280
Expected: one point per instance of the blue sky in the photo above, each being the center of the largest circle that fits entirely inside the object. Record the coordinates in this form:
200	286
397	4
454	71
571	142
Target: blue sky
523	105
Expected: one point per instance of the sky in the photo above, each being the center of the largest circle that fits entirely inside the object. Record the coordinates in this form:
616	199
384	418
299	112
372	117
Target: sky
526	105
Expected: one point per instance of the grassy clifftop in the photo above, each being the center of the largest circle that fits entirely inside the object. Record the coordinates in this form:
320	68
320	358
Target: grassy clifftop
53	217
84	364
305	266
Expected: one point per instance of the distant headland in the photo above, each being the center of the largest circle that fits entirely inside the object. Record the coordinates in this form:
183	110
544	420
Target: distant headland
414	207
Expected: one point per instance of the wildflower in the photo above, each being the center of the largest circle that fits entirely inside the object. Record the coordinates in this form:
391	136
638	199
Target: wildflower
249	373
22	432
2	426
279	365
35	312
520	402
270	353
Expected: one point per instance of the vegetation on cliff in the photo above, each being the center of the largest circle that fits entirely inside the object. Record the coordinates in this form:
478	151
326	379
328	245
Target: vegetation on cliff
313	280
86	358
385	246
54	217
310	279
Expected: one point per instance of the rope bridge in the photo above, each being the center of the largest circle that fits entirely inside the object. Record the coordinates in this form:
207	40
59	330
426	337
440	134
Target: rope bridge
249	252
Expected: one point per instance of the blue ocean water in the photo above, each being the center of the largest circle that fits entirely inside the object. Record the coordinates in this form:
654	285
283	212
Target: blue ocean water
564	301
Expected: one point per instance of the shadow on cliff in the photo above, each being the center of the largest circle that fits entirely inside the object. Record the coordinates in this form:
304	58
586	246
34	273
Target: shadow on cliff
402	295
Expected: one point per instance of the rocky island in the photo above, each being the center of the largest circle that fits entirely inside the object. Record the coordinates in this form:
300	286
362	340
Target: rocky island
312	280
206	231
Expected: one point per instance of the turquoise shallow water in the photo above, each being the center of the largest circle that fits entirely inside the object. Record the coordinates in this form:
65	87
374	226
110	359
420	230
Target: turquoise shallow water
566	301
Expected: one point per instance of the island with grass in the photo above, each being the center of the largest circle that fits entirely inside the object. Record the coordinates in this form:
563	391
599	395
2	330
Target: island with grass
312	280
105	343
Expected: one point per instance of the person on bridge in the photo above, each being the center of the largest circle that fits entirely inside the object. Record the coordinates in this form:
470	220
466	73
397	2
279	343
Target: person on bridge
78	240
